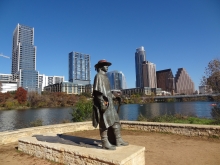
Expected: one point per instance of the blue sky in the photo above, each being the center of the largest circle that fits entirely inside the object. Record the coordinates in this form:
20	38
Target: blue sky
175	33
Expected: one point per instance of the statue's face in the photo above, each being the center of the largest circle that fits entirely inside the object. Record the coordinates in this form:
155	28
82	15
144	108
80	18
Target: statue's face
104	68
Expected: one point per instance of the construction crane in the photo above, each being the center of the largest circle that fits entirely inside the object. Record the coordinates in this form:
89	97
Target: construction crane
4	56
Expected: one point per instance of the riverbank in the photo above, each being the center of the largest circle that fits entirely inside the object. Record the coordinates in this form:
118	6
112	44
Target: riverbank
17	119
30	108
163	149
178	118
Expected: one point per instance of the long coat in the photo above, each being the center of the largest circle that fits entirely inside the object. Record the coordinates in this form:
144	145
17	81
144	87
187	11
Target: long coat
101	85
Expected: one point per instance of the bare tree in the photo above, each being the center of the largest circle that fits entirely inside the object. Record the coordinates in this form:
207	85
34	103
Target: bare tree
212	75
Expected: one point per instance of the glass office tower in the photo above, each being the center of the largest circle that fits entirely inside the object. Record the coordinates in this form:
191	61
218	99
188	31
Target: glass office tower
24	57
140	57
117	80
79	68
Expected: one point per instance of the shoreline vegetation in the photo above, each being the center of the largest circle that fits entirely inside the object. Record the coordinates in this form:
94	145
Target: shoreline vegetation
82	107
20	99
181	119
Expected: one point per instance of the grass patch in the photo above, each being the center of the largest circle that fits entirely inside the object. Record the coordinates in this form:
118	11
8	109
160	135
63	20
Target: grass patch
178	118
36	123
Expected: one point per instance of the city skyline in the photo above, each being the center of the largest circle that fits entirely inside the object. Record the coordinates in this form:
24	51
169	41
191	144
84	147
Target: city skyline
175	34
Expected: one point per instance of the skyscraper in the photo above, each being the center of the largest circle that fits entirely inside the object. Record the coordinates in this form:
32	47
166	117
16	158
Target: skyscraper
24	57
140	56
165	80
183	83
23	49
79	68
149	74
117	80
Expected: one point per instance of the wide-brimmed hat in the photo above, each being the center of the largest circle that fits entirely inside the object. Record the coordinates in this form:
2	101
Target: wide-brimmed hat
102	62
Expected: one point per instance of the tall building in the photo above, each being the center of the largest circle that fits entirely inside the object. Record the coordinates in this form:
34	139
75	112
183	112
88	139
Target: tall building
7	83
24	58
49	80
204	89
117	80
140	57
183	82
23	49
79	68
149	74
165	80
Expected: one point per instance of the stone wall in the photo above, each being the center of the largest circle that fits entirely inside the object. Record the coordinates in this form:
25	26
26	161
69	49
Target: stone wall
181	129
12	136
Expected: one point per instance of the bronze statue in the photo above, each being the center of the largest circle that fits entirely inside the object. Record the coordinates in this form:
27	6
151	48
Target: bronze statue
104	112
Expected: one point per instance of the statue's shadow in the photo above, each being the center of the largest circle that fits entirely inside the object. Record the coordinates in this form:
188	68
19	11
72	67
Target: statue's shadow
70	140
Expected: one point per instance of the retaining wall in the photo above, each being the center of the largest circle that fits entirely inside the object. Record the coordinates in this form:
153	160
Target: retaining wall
181	129
12	136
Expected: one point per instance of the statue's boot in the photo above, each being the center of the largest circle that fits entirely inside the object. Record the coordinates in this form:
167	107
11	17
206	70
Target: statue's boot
119	140
105	143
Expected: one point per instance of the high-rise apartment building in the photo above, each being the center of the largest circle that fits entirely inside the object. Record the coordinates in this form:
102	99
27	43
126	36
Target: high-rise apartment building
183	82
165	80
49	80
140	57
79	68
117	80
24	57
149	74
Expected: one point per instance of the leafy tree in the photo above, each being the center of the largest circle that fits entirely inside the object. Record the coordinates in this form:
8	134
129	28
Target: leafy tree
21	95
216	113
82	111
86	94
33	99
212	75
71	99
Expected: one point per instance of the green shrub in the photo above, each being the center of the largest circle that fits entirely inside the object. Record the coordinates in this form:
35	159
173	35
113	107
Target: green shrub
10	104
65	121
141	118
36	123
216	113
82	111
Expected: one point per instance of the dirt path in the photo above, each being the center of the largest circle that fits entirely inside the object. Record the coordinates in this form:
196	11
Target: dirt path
161	149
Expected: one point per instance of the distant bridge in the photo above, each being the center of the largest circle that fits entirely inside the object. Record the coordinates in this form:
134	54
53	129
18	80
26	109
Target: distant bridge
180	97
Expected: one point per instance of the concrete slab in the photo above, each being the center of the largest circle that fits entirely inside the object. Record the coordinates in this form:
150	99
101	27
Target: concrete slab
74	150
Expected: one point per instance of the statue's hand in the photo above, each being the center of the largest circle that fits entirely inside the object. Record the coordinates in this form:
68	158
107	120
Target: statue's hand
104	105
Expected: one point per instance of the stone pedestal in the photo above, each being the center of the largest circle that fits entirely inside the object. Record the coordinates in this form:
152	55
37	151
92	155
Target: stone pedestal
73	150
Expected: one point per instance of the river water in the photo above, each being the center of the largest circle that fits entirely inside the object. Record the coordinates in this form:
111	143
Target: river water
16	119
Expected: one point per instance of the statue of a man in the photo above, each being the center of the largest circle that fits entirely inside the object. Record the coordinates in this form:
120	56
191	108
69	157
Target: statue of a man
104	112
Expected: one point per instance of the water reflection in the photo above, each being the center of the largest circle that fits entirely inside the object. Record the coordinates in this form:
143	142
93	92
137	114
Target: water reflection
132	111
16	119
